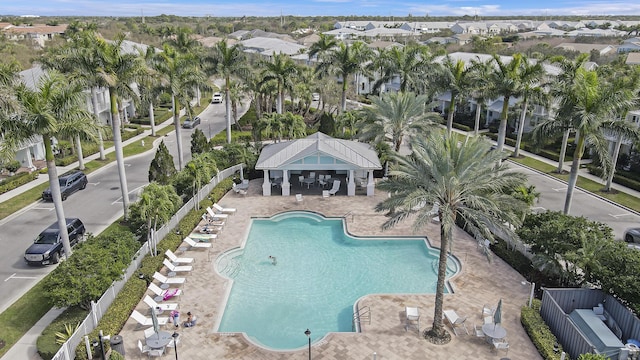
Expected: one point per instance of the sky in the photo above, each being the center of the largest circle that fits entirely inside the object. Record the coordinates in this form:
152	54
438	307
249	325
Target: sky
222	8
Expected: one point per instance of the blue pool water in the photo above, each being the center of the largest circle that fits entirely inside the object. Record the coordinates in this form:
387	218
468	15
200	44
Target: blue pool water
320	273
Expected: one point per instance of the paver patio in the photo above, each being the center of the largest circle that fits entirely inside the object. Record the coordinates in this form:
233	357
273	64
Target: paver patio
479	282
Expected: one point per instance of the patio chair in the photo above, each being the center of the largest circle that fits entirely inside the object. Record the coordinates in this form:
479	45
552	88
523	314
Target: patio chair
147	321
149	331
173	268
325	194
335	188
174	258
321	181
165	294
500	344
312	175
221	209
144	349
412	317
299	198
194	244
165	280
154	305
238	190
301	180
455	321
477	329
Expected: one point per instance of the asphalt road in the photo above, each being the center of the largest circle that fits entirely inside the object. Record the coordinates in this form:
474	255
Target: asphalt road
99	205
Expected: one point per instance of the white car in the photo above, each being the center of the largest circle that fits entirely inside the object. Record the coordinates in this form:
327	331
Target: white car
216	98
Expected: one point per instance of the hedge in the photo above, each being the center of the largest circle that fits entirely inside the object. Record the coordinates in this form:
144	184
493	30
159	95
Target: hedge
461	127
118	313
539	332
617	178
236	136
17	180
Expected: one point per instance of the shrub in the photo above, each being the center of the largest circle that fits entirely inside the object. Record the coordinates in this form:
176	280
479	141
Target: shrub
539	332
16	181
236	136
13	166
461	127
46	343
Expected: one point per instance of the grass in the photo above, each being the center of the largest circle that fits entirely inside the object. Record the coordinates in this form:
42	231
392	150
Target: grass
618	197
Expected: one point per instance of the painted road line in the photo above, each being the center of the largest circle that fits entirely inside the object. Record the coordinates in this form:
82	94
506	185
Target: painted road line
13	276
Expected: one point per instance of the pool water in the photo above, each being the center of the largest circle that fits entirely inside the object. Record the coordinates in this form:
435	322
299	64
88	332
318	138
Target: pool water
320	272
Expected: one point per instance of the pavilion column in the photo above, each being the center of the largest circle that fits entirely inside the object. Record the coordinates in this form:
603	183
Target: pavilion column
266	184
351	186
371	185
285	183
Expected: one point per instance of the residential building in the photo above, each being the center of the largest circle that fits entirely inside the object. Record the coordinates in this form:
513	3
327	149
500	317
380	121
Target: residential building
38	33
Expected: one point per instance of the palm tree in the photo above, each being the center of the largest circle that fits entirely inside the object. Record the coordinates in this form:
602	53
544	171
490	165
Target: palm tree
322	46
156	206
531	89
455	77
412	64
9	105
468	182
150	87
479	91
282	70
118	71
590	105
54	109
200	170
344	61
237	93
395	115
229	61
181	74
504	82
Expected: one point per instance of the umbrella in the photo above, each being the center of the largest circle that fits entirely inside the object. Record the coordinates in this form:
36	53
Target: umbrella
497	315
154	319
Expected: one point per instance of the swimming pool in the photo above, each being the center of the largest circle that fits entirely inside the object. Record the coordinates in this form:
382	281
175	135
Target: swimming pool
320	272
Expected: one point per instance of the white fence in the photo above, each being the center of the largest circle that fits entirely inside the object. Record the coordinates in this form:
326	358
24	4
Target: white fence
67	351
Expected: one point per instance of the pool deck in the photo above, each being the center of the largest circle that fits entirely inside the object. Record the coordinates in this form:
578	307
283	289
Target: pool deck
478	283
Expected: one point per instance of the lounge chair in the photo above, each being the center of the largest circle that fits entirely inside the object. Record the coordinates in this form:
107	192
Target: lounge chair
195	244
176	259
212	222
335	188
173	268
154	305
147	321
203	237
214	215
165	294
455	321
412	317
237	190
165	280
220	209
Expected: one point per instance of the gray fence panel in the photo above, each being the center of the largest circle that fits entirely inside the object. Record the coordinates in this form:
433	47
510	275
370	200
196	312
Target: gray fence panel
571	299
67	351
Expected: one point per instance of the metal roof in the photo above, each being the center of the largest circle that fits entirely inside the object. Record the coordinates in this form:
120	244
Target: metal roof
354	155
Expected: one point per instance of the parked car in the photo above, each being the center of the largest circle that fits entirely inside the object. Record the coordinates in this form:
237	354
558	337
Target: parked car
315	97
216	98
47	248
632	235
69	183
191	123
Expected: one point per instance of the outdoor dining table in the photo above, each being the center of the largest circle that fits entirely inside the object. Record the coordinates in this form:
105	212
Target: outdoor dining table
494	331
159	340
309	181
242	186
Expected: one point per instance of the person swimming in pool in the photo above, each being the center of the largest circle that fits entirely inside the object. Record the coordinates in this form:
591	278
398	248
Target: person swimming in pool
273	260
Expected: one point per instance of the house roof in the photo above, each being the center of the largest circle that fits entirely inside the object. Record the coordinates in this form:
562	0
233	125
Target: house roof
31	77
351	154
586	48
269	46
37	29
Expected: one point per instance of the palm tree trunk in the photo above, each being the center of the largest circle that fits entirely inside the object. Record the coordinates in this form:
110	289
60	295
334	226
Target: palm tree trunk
176	124
343	101
476	127
573	175
614	162
94	104
563	151
452	108
54	185
438	327
152	119
117	144
516	152
227	109
80	155
502	130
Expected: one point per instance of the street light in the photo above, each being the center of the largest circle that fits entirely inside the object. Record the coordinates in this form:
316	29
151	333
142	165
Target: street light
308	333
175	343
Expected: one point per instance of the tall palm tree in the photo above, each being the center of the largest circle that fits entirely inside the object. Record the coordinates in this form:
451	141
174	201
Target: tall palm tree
55	109
200	170
118	71
156	206
237	94
394	116
504	82
456	77
468	182
9	105
282	70
344	61
150	86
532	88
320	47
479	91
592	105
411	64
229	62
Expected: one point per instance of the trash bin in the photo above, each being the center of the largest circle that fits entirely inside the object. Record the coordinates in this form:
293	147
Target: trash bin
117	344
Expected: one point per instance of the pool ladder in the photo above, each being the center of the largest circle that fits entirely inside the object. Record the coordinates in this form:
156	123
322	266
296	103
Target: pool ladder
360	316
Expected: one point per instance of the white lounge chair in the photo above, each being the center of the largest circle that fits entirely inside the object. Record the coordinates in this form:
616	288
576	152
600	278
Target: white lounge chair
165	280
455	321
154	305
203	237
213	215
195	244
335	188
176	259
165	294
412	316
213	223
147	321
173	268
220	209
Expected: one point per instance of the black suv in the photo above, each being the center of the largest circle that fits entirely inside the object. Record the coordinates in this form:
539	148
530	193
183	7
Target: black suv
69	183
47	249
